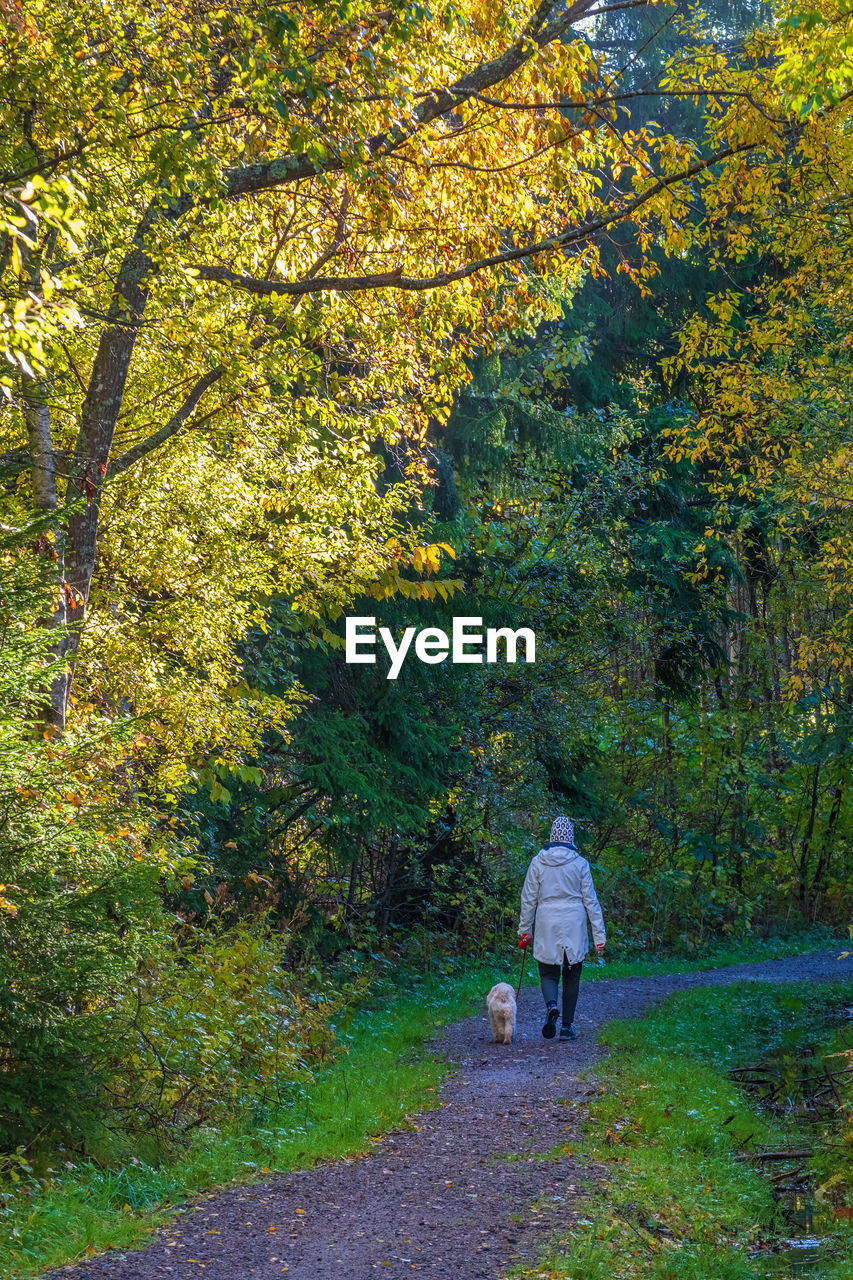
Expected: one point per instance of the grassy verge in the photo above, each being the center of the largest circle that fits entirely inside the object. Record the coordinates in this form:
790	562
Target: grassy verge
668	1122
83	1208
376	1080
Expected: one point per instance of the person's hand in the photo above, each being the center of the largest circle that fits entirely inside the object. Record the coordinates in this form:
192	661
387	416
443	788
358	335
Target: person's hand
525	941
599	946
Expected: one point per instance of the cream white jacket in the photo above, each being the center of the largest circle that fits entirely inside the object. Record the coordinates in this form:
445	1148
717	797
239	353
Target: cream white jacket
559	895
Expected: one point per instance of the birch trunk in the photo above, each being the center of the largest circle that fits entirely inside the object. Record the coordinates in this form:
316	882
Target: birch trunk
43	479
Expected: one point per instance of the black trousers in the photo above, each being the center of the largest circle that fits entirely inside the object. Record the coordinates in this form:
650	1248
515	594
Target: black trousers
549	977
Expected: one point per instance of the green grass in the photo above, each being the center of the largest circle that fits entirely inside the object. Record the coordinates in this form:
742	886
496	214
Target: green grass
376	1081
383	1077
668	1121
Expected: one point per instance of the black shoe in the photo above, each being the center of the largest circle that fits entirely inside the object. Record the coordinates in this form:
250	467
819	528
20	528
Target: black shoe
568	1033
549	1030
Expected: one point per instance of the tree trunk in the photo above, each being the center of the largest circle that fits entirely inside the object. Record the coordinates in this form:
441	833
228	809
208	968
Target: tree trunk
803	885
821	875
43	479
98	419
353	885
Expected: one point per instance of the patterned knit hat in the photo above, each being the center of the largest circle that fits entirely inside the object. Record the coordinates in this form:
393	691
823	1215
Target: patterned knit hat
562	831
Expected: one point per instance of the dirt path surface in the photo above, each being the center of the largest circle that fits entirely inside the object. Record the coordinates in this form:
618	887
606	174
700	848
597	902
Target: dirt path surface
440	1199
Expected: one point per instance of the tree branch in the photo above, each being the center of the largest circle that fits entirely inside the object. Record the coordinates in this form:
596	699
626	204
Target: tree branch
583	104
337	240
170	428
537	33
112	361
613	8
396	280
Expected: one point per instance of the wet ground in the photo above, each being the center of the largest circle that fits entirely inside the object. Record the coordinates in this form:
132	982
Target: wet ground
805	1087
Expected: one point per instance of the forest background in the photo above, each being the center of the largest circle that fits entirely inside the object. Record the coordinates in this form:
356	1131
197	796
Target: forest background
539	313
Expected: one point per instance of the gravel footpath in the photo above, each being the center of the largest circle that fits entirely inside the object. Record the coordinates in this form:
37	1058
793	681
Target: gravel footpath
441	1199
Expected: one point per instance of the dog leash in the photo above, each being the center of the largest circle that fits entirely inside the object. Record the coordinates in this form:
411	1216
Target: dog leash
521	978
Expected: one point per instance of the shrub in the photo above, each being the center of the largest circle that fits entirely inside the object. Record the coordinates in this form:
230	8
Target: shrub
210	1023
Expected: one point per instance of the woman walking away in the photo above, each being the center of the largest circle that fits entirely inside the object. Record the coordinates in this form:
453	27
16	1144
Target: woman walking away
559	892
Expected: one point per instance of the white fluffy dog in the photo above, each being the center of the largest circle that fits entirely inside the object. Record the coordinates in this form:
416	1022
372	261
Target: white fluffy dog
500	1003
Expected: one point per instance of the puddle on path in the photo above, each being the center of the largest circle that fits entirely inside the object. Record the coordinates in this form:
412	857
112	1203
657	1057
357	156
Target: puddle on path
806	1089
800	1258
